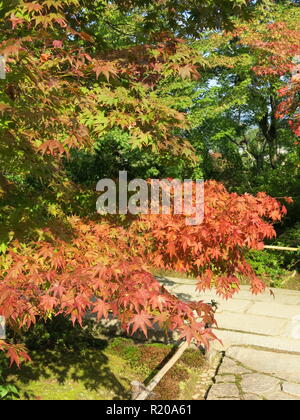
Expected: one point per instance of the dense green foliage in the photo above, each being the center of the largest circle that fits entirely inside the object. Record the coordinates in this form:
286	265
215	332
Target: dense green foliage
8	391
231	112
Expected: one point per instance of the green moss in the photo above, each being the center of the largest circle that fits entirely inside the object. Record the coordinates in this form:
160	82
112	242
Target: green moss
159	346
171	385
102	373
88	374
193	359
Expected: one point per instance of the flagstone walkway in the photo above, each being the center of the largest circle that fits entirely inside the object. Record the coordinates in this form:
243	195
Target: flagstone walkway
260	342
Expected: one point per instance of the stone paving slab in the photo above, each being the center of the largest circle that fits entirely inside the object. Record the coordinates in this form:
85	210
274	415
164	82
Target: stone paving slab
231	367
292	389
282	365
225	390
188	287
234	305
255	374
275	310
256	383
280	296
252	397
264	314
282	396
226	378
177	281
234	337
251	323
261	340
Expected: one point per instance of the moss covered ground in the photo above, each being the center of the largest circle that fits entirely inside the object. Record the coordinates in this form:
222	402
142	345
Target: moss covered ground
104	372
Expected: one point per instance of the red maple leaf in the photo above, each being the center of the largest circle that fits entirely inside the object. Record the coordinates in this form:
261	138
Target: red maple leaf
142	321
101	308
57	44
16	21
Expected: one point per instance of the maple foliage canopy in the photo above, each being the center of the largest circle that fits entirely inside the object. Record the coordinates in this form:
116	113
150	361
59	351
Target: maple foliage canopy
104	269
276	38
97	266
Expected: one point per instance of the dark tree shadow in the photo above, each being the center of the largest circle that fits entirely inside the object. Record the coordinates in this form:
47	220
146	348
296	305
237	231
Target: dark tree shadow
89	366
166	282
65	355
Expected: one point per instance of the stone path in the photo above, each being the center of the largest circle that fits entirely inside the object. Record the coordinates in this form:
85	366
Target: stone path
260	342
246	373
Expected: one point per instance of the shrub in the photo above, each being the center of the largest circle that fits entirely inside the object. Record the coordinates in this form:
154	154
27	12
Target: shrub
269	265
59	333
8	391
290	238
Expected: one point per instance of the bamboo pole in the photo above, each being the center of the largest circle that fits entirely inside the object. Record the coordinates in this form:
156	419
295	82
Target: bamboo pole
157	378
2	67
2	328
281	248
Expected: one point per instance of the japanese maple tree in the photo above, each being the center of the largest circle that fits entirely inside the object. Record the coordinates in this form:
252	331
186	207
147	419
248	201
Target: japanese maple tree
111	264
275	35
